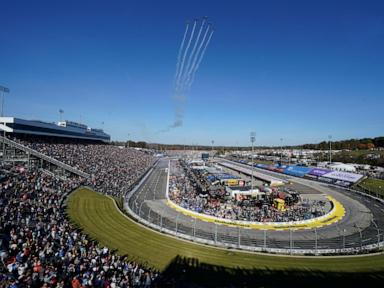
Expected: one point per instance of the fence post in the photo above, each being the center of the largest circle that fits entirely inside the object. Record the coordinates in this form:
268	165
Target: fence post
238	237
161	223
361	237
177	218
140	208
361	240
265	240
149	215
194	230
215	233
315	241
378	232
135	206
290	240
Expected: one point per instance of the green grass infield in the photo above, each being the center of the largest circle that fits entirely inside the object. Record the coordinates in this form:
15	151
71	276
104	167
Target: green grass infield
373	185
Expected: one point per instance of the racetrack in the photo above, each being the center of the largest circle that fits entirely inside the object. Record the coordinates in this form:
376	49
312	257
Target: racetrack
100	218
362	225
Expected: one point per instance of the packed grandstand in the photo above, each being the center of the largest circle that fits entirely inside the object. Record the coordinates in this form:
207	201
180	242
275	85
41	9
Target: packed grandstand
40	247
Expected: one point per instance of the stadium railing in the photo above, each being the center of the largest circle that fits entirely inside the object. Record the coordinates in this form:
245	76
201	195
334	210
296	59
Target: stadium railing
44	157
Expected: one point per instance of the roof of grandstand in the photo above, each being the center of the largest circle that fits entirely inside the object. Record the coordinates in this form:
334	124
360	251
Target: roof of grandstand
63	129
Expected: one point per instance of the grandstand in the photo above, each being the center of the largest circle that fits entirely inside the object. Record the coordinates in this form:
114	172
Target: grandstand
63	129
41	164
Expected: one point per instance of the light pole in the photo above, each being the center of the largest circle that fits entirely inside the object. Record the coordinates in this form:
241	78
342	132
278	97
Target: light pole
61	111
128	140
330	148
212	146
253	138
3	90
281	150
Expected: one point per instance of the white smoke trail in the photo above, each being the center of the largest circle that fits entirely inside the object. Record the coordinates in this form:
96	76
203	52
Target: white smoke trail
188	62
194	62
199	62
182	63
191	55
179	54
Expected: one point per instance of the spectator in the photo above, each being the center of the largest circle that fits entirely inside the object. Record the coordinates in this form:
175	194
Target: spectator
184	192
41	248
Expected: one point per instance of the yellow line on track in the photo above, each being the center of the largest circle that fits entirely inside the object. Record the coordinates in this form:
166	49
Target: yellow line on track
336	214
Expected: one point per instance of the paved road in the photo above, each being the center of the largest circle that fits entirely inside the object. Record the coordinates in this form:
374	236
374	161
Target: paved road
357	228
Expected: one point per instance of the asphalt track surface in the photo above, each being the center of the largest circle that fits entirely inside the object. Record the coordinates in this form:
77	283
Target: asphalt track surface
362	224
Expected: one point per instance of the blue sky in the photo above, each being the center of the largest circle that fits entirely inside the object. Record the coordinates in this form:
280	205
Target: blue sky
297	70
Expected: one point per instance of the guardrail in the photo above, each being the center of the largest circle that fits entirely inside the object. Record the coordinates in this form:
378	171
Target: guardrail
262	248
30	151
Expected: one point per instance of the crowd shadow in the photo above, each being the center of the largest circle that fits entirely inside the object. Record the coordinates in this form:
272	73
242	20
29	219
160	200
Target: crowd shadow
189	272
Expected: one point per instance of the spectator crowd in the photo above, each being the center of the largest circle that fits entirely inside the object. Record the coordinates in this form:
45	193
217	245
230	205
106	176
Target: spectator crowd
113	169
188	194
39	247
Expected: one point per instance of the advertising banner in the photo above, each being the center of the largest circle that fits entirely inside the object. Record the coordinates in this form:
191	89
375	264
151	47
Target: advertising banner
299	171
344	176
309	176
319	171
261	166
324	179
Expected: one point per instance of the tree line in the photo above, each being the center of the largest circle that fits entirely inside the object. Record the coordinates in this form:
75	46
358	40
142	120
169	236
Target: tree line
350	144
